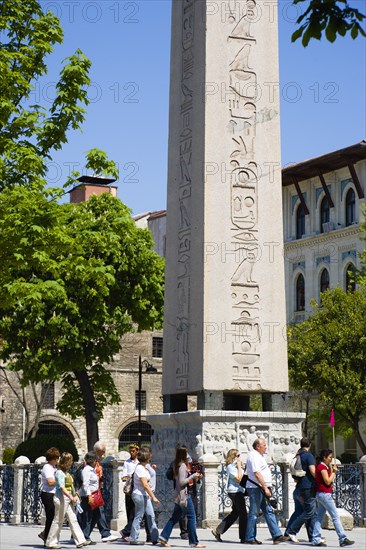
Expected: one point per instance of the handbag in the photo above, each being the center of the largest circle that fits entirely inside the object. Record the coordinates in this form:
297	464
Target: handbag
128	486
98	500
243	481
182	498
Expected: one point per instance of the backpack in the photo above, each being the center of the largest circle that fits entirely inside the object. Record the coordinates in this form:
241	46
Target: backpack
129	484
78	479
296	469
169	474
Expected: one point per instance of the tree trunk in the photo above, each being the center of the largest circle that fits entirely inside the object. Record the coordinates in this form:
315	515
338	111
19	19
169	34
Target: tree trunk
359	439
91	415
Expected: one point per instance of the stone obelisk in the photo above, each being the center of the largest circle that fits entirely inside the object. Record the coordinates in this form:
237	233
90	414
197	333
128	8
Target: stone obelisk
224	330
224	322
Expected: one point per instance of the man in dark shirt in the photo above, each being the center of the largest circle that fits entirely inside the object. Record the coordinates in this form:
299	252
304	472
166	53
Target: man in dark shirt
306	487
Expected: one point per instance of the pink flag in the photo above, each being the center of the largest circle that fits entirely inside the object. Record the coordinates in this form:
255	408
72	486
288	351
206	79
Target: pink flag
331	419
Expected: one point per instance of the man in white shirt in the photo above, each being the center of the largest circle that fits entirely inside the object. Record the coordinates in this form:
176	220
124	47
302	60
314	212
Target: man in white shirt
259	487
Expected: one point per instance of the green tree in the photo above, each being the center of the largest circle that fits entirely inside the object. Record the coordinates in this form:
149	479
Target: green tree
327	354
30	132
329	18
73	279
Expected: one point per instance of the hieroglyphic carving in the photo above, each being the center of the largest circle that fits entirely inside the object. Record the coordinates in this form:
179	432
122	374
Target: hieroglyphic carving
185	182
242	112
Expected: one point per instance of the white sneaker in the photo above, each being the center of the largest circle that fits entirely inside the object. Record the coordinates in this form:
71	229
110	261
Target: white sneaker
293	538
111	538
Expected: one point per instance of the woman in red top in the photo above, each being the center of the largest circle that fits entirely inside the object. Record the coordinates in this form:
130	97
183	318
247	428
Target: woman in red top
324	476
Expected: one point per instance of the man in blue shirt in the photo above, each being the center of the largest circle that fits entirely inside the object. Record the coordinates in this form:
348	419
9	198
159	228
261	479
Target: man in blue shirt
306	487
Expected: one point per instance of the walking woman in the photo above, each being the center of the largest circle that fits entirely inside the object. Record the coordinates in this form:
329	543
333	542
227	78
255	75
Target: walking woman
89	518
142	495
183	501
64	498
325	474
234	471
49	489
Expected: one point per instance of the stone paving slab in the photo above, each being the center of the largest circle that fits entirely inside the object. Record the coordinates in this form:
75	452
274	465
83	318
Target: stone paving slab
24	537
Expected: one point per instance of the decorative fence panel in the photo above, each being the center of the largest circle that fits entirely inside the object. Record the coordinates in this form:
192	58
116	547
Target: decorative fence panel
31	501
108	490
349	491
6	492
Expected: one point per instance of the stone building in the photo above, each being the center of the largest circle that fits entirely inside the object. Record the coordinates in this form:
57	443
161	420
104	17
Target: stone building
323	200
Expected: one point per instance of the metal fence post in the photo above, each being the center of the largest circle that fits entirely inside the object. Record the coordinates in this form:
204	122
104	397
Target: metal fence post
210	490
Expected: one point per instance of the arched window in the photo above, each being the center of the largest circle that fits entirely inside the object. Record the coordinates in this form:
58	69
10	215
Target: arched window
131	434
350	207
48	427
350	278
324	280
324	214
300	221
300	293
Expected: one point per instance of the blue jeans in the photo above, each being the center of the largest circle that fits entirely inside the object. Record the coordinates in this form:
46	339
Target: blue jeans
299	509
89	518
326	504
308	516
143	507
257	502
178	512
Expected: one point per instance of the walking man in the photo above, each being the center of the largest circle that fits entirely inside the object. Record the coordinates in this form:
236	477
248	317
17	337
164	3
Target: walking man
128	471
259	490
306	487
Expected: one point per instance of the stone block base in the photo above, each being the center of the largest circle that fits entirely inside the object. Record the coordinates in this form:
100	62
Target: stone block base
345	517
210	523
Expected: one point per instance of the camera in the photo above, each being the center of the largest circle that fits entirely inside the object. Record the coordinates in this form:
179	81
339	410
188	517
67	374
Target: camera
196	467
272	501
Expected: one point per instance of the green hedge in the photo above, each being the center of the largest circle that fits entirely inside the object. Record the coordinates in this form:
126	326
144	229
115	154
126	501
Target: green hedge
8	455
33	448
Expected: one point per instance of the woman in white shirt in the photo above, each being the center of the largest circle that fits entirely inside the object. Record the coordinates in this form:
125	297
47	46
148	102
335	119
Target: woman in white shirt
142	495
63	499
49	488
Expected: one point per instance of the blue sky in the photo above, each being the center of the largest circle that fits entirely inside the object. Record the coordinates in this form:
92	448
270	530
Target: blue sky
322	91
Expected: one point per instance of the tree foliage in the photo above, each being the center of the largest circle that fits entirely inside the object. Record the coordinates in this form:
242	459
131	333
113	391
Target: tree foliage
327	354
30	132
74	278
329	18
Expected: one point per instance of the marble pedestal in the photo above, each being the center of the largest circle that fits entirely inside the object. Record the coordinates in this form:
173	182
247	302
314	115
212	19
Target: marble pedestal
215	432
209	435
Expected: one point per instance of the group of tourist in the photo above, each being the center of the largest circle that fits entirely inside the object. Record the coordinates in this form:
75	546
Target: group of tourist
139	502
58	496
312	497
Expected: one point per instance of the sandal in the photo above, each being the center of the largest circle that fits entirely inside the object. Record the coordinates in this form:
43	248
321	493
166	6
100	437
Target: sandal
164	543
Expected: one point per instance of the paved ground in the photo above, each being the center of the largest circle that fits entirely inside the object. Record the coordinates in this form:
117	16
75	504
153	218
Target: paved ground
24	537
